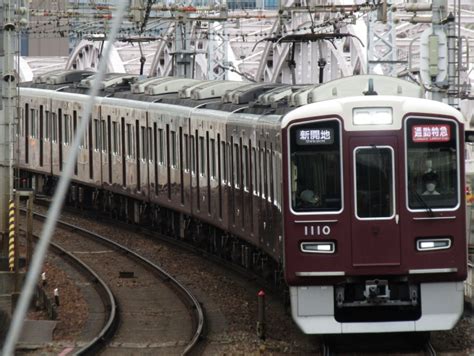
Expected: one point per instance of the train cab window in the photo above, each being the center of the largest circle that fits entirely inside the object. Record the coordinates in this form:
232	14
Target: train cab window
374	182
432	164
315	167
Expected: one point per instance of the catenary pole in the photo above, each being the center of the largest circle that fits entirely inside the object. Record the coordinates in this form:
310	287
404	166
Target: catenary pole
58	198
8	86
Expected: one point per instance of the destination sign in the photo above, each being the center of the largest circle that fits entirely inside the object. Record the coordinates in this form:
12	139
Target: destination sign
431	133
315	136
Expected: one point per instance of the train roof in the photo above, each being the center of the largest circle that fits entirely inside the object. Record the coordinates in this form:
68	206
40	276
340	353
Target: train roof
229	96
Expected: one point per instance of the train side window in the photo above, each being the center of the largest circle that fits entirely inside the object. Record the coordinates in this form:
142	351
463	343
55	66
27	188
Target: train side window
161	147
54	127
274	165
212	157
115	148
254	171
263	192
202	156
432	163
33	123
236	166
186	153
103	138
268	175
150	145
47	131
193	155
143	153
173	149
96	135
315	166
245	167
223	163
67	132
129	141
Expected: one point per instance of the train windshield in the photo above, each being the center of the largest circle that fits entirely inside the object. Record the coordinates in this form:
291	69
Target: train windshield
315	167
432	164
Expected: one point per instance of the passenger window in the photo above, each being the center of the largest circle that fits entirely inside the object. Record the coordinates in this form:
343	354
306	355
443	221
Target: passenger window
315	167
67	132
223	163
212	155
432	163
173	149
245	167
47	133
129	140
202	156
254	171
186	153
103	138
161	146
150	145
236	166
33	123
193	155
54	128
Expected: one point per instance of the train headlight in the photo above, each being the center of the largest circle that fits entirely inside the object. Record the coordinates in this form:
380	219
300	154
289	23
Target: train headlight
433	244
372	116
318	247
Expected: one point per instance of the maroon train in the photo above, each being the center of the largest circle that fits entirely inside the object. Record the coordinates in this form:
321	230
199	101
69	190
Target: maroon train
353	188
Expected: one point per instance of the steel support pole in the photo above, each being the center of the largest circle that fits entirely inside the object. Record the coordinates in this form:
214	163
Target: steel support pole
7	28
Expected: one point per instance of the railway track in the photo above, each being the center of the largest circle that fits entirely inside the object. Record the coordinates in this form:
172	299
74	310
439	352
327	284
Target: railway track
104	293
325	348
150	318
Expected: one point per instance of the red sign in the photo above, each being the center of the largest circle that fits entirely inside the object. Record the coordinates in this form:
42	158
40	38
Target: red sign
431	133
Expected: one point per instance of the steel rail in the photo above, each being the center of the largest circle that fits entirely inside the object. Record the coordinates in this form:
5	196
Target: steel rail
186	296
108	299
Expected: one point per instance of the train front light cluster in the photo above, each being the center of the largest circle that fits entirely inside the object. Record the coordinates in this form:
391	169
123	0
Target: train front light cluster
428	244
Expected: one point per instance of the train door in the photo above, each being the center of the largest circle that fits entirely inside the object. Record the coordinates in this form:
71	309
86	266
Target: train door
375	230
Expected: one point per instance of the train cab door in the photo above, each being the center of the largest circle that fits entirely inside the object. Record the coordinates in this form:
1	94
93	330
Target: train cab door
375	230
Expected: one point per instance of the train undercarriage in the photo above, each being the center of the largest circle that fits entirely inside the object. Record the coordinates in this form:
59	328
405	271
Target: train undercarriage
166	222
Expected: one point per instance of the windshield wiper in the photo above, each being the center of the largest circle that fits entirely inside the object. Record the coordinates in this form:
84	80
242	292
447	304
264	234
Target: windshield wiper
423	202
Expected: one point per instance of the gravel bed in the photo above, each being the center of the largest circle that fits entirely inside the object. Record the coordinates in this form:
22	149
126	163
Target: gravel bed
234	298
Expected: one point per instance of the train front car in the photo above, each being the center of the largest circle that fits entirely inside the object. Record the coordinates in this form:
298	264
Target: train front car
374	214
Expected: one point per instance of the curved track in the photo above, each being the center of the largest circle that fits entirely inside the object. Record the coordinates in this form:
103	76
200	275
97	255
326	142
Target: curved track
151	319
